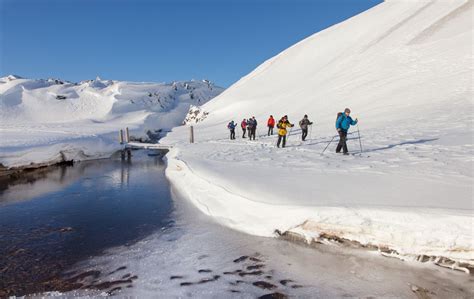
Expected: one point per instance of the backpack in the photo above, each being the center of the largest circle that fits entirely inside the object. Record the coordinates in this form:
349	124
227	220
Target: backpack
338	115
228	125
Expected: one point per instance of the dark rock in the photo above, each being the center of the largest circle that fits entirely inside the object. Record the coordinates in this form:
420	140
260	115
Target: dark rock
256	273
204	271
214	278
118	269
254	267
285	281
91	273
273	296
233	272
241	259
186	284
176	277
108	284
254	259
296	286
264	285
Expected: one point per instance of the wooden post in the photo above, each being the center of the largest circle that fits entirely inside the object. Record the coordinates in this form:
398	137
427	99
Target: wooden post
127	136
121	136
191	136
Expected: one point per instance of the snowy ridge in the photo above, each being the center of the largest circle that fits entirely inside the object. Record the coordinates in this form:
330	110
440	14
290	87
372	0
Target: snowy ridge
76	121
380	228
405	70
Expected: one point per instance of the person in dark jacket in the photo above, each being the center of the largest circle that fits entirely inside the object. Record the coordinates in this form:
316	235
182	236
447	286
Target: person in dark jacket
252	125
343	123
243	125
231	126
249	126
270	125
304	123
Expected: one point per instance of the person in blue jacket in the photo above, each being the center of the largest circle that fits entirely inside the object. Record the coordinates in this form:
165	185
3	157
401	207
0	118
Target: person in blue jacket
343	123
231	126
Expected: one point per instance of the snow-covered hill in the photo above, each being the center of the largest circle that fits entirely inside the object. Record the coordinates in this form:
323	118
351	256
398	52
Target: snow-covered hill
40	119
405	69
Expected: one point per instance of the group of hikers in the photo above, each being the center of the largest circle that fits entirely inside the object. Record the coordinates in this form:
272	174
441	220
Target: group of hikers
343	123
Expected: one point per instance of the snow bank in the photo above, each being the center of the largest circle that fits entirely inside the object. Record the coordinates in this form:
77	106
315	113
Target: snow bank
405	70
46	121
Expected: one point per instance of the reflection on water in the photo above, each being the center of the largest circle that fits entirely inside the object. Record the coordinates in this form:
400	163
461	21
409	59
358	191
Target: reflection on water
53	217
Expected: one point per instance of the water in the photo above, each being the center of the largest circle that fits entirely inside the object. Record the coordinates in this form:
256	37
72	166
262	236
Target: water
53	218
131	235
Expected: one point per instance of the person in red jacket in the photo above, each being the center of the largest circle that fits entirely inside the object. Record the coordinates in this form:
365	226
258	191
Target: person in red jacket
270	125
243	125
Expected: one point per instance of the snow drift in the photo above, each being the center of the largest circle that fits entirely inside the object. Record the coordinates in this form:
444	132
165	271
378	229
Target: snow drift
405	70
45	121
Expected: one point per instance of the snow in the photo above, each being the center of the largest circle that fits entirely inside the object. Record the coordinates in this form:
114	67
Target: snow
46	121
194	242
405	70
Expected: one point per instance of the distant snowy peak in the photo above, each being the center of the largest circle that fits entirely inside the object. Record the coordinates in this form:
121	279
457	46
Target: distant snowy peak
52	100
56	81
97	82
10	78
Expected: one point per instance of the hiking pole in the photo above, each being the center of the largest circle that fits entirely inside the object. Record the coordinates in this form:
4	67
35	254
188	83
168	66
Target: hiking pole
289	134
360	142
328	144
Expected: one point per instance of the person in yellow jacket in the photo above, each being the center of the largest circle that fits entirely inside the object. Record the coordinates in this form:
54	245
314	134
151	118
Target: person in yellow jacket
282	126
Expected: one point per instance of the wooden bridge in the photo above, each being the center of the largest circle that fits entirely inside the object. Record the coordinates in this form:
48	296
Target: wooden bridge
154	149
152	146
128	146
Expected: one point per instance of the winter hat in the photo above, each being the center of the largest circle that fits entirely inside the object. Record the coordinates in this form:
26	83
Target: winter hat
306	116
347	110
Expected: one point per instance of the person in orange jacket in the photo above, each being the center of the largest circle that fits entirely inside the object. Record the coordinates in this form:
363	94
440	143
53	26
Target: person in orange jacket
270	125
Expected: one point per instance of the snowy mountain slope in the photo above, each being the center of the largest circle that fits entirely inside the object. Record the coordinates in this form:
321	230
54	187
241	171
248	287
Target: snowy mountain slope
381	59
82	119
405	69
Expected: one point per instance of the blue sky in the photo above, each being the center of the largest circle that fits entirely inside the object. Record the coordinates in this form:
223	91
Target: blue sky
162	41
